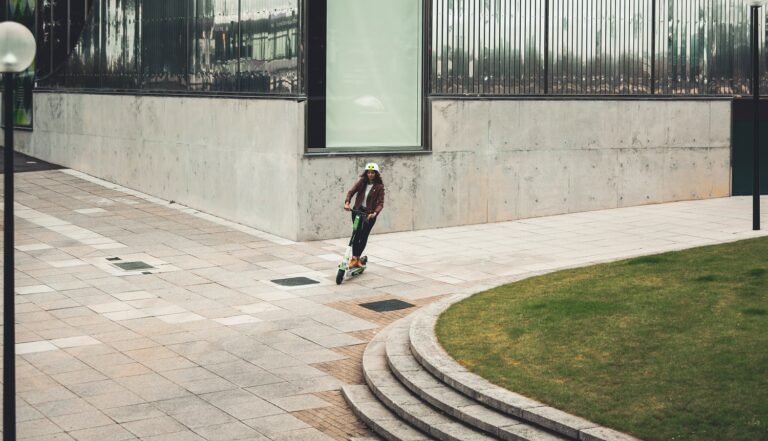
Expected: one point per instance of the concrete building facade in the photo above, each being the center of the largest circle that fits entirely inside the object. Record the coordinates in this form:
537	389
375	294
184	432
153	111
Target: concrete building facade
490	161
491	147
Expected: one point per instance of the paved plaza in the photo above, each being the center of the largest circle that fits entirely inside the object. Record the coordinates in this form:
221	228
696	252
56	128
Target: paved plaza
141	319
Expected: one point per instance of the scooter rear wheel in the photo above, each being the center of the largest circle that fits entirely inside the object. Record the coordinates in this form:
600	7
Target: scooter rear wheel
339	276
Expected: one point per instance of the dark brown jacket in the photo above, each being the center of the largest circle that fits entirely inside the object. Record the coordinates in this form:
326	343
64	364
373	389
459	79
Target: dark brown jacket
375	202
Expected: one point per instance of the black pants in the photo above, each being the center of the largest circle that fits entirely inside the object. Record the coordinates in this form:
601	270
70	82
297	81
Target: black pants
361	238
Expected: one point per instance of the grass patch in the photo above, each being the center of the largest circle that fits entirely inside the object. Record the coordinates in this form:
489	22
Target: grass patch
666	347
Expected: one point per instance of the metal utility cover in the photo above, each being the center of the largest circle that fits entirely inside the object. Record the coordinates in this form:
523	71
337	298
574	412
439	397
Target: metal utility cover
295	281
133	266
386	305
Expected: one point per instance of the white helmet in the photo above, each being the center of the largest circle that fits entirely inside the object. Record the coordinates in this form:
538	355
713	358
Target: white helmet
372	166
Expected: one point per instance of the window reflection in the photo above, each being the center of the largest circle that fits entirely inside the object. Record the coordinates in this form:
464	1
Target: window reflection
490	47
214	52
82	67
179	45
120	45
270	39
497	47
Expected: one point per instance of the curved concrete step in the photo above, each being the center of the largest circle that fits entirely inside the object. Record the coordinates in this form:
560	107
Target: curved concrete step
421	383
404	404
385	423
432	357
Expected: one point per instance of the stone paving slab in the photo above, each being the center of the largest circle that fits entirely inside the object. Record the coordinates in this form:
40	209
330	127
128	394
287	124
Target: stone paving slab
206	328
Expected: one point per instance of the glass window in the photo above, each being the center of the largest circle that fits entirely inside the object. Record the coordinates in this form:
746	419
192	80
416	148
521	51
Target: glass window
270	45
172	45
120	45
373	73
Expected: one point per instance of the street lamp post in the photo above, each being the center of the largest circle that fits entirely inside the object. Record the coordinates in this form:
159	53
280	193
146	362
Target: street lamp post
17	51
755	14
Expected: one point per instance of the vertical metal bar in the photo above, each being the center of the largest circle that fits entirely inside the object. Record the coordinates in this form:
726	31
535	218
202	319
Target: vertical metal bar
435	42
546	47
571	43
426	75
556	56
685	48
316	25
620	42
653	47
239	42
514	31
614	44
503	49
603	47
496	45
437	85
9	311
565	48
588	46
470	41
99	52
487	53
188	46
531	70
456	54
52	37
476	47
636	52
139	44
756	121
525	78
464	51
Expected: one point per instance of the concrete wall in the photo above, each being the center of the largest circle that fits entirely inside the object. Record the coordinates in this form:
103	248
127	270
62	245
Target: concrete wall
492	160
235	158
509	159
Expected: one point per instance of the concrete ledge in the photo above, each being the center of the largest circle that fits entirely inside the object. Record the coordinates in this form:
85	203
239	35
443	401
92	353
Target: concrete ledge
428	352
386	424
443	397
403	403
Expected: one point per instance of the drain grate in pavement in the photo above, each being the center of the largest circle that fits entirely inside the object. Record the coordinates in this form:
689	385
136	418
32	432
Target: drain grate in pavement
387	305
295	281
133	266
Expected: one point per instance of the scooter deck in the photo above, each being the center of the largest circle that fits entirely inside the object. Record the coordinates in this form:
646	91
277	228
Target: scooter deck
356	272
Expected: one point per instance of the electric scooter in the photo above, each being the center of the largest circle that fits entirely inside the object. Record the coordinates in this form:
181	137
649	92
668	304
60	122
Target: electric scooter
345	272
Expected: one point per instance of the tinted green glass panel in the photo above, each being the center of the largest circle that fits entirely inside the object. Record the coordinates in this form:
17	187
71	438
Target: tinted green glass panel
373	90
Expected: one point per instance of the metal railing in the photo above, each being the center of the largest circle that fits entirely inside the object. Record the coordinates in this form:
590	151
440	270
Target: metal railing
477	47
591	47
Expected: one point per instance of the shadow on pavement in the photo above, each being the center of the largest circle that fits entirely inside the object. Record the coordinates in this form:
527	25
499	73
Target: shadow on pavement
23	163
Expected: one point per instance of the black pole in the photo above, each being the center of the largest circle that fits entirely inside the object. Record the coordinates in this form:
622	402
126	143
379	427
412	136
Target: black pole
756	124
9	303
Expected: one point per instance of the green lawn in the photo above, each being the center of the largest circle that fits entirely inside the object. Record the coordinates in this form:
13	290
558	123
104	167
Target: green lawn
665	347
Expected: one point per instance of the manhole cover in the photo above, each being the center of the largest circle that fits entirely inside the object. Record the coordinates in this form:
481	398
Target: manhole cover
133	266
386	305
295	281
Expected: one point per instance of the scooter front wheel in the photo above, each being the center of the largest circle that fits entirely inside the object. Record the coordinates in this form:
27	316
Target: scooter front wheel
339	276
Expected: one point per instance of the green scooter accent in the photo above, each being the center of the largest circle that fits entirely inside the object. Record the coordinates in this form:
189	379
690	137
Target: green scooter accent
344	271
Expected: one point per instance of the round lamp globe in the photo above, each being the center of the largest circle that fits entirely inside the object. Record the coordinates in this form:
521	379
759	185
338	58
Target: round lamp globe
17	47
